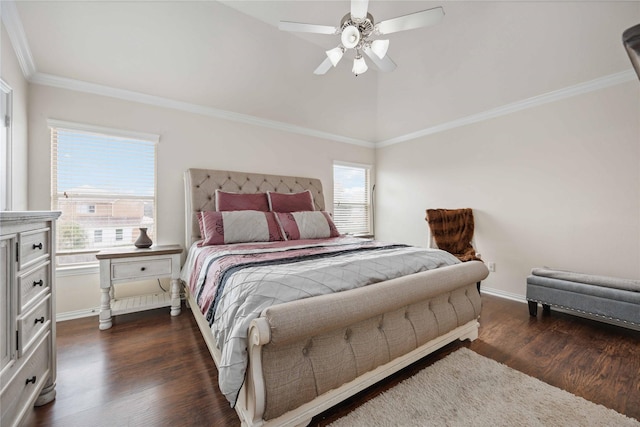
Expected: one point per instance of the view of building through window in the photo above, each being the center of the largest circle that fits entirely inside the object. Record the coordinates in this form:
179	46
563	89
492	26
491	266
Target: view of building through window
352	198
105	187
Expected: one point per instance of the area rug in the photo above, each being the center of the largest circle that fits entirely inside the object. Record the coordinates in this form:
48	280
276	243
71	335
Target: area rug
466	389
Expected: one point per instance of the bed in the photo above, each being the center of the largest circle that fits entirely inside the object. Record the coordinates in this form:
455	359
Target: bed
305	356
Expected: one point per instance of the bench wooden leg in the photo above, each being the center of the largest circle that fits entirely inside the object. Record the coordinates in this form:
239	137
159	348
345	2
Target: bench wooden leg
546	308
533	308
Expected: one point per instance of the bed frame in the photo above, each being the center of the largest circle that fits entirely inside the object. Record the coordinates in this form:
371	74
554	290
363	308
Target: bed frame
306	356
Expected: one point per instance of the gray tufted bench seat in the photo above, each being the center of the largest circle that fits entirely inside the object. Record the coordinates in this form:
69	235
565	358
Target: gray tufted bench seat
607	298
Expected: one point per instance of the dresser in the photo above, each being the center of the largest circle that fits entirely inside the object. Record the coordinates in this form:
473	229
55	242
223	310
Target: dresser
27	315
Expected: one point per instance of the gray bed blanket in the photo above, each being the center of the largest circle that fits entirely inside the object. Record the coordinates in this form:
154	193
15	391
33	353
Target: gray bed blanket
244	292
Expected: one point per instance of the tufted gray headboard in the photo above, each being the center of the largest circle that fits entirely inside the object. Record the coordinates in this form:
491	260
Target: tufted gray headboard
201	184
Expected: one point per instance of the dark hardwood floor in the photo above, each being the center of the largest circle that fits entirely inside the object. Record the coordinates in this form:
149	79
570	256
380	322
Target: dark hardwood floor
151	369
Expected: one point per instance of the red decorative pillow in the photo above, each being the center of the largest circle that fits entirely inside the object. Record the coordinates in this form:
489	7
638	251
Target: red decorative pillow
241	202
221	228
307	225
290	202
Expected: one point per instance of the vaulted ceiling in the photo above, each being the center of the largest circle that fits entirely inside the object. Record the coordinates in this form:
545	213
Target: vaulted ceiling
230	56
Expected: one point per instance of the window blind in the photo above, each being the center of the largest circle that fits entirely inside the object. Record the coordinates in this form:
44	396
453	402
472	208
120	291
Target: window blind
105	186
351	199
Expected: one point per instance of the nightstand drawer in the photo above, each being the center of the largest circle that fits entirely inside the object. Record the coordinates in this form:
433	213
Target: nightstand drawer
32	323
27	382
33	284
34	246
140	269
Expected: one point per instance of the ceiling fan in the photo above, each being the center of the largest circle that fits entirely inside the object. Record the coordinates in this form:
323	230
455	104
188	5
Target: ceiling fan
357	30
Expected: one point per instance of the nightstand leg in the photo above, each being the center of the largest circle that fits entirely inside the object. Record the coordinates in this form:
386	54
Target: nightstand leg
105	308
175	297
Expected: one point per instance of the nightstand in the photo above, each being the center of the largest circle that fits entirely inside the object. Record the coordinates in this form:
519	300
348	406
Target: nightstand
133	264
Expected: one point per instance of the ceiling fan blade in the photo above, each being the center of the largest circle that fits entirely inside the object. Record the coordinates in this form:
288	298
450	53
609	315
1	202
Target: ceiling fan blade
411	21
324	67
307	28
359	9
384	64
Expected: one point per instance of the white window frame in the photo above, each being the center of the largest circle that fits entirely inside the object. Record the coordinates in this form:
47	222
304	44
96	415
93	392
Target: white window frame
369	232
6	202
89	267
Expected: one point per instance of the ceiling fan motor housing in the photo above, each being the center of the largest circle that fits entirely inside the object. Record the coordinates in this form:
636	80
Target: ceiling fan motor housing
355	31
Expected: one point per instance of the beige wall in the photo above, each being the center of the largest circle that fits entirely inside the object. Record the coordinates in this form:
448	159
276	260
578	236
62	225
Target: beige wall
12	75
186	140
557	185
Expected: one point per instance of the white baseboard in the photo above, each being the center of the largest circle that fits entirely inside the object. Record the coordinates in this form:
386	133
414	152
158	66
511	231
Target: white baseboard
78	314
503	294
88	312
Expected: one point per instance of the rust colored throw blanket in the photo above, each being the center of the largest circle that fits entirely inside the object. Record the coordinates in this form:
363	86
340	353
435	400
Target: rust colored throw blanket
452	229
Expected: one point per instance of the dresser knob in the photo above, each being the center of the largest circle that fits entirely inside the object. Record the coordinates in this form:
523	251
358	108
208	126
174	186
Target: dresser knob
40	320
31	380
38	246
143	268
38	283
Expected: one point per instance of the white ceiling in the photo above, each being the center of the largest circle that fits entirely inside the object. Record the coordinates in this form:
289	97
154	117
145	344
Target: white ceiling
231	56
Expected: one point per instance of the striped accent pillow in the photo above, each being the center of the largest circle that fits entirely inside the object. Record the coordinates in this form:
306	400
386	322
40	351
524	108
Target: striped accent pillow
221	228
307	225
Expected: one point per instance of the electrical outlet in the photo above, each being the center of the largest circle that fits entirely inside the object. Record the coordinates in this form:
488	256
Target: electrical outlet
491	266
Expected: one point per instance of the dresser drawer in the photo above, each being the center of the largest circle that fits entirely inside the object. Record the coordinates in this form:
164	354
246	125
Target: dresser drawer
32	323
32	285
34	246
25	384
140	269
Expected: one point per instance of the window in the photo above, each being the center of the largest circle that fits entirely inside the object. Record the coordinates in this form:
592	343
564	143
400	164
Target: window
352	198
104	182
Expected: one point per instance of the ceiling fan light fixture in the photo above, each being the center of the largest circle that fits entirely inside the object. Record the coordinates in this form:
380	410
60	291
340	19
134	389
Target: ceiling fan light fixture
380	47
357	30
350	37
359	66
335	55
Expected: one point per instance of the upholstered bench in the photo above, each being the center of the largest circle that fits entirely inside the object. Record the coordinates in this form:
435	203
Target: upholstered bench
607	298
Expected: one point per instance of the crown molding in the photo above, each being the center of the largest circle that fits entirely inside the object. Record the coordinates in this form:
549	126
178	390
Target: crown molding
13	24
157	101
557	95
127	95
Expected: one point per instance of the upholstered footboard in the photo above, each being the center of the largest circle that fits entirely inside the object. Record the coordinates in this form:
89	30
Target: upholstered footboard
308	355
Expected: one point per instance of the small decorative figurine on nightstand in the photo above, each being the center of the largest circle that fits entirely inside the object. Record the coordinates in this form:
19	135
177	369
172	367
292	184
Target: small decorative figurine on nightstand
143	241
